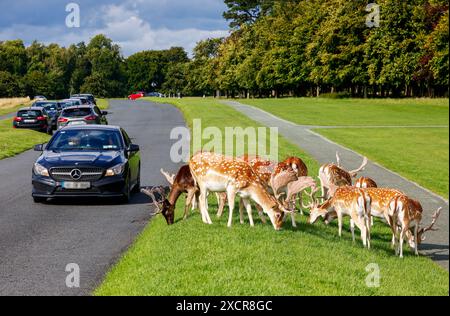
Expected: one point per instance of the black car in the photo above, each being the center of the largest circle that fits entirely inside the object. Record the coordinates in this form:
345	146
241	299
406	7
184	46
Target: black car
53	109
35	118
87	161
88	96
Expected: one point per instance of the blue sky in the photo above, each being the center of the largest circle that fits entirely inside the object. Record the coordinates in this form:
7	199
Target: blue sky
134	24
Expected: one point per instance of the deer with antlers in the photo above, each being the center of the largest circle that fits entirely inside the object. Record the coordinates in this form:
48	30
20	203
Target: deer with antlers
406	214
182	182
334	174
350	201
217	173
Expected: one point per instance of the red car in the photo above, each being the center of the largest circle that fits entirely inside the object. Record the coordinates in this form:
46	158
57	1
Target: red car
136	95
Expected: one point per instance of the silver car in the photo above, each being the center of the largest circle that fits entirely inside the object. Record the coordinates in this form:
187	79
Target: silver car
81	115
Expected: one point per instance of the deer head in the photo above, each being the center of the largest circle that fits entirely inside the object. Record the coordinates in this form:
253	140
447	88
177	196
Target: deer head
162	206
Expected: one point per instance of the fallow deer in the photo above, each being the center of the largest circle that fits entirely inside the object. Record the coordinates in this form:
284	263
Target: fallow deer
406	213
334	174
350	201
217	173
364	182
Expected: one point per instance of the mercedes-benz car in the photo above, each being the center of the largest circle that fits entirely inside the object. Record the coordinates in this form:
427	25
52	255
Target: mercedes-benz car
87	161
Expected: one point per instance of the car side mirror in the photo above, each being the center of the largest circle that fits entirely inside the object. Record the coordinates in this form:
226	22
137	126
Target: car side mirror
39	147
105	112
133	148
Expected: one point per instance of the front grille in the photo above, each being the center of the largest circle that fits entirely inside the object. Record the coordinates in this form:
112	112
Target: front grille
87	173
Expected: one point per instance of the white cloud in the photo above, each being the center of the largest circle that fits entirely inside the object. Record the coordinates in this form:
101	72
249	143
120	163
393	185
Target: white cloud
122	23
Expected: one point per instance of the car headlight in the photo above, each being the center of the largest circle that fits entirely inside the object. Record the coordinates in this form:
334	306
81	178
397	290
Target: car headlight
40	170
116	170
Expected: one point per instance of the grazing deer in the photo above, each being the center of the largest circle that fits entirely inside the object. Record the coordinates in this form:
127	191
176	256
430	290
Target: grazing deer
183	182
350	201
217	173
334	174
406	213
275	176
364	182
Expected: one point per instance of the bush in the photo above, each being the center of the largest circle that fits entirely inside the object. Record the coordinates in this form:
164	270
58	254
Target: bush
336	95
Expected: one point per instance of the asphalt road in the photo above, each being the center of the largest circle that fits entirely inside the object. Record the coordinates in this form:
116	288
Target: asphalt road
37	241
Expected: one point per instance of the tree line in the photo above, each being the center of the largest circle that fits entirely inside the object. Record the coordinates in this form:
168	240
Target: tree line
97	67
275	48
313	47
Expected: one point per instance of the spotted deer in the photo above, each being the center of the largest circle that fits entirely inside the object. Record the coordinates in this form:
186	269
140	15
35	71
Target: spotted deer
334	174
350	201
183	182
406	214
364	182
217	173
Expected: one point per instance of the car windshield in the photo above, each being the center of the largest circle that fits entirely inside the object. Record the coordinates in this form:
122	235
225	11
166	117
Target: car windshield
76	112
29	113
49	106
65	104
90	140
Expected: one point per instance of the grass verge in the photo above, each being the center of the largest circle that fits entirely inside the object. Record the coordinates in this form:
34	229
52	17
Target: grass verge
421	155
14	141
191	258
357	112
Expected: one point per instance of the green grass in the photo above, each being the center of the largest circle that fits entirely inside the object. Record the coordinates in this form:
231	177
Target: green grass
14	141
358	112
420	154
192	258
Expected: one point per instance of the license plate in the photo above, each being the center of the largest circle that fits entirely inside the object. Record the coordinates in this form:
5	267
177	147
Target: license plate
29	121
76	185
76	123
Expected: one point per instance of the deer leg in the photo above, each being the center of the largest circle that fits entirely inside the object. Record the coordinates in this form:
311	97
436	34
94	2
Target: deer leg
339	216
221	204
261	213
231	194
416	244
352	229
241	211
202	203
248	206
189	198
402	236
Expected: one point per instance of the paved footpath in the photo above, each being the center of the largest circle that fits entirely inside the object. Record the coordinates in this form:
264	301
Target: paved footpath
324	151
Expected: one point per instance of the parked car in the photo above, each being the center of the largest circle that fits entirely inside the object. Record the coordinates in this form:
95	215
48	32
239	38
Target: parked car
53	109
39	98
90	160
35	118
83	100
154	94
136	95
69	102
88	96
83	114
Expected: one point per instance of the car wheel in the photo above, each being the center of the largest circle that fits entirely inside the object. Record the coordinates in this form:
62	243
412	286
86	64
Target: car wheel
37	199
137	186
126	197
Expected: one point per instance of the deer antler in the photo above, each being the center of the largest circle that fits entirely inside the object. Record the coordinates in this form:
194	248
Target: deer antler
313	199
338	159
169	177
353	173
151	193
433	221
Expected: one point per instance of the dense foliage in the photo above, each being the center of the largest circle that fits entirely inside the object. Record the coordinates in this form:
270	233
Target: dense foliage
290	47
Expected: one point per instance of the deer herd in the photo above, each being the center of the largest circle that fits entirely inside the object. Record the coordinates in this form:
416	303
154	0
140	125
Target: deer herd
278	190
